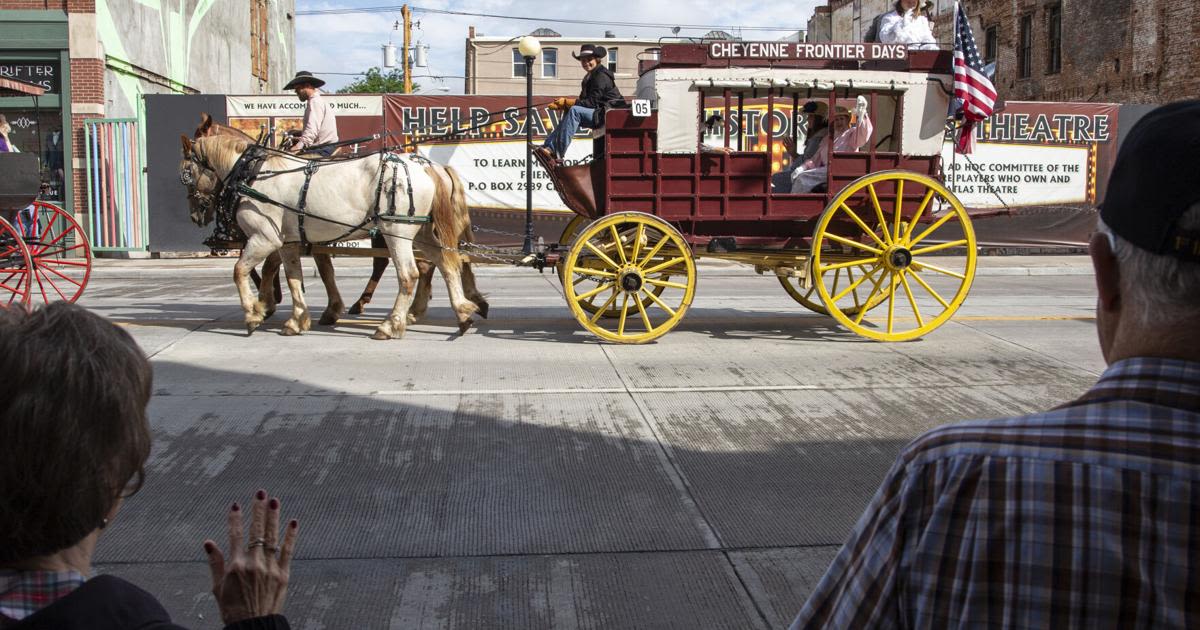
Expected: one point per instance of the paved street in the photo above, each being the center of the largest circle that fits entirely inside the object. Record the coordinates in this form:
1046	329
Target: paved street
526	476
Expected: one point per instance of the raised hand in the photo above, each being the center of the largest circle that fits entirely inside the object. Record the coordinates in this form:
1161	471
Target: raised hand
253	581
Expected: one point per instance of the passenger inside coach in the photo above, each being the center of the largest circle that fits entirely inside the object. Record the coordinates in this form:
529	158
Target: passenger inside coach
844	136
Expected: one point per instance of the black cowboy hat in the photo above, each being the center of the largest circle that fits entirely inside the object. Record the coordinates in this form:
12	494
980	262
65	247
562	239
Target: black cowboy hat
302	77
591	50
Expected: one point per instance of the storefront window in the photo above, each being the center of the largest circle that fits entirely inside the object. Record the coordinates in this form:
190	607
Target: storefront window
40	132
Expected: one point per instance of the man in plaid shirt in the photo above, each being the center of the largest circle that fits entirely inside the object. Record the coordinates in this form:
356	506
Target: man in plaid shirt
1085	516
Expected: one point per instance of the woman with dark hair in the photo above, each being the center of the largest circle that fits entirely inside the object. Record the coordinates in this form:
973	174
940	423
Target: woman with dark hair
72	449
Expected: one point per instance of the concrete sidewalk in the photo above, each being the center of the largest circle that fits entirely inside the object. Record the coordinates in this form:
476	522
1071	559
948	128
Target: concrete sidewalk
354	267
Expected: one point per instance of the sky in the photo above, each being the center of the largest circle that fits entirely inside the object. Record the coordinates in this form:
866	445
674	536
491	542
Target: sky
350	43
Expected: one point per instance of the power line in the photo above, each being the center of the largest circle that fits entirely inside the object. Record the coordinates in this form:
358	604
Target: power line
391	8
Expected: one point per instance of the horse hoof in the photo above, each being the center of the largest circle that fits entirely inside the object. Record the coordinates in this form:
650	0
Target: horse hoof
328	319
464	326
483	309
289	332
269	312
250	328
356	308
306	324
380	336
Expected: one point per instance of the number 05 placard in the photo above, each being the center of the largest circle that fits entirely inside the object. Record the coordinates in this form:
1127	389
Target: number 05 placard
641	107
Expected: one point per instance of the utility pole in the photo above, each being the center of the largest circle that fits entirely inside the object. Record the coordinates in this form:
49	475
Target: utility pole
407	65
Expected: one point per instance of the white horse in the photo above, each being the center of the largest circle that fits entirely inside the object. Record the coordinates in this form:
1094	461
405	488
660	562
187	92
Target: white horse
342	203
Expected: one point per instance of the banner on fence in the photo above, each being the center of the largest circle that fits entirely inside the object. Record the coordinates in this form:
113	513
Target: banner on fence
358	116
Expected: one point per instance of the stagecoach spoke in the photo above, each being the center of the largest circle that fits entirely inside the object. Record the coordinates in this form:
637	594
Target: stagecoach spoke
600	311
654	252
843	265
928	288
637	241
661	266
645	316
879	215
917	217
56	239
660	303
664	283
925	265
911	299
837	275
599	289
624	314
602	255
855	286
899	209
891	300
875	286
854	243
937	224
934	248
862	225
590	272
616	237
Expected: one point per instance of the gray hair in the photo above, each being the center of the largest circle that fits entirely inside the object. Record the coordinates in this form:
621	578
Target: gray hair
1164	291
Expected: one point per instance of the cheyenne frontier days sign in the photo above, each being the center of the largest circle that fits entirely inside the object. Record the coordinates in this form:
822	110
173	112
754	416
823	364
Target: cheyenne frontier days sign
793	50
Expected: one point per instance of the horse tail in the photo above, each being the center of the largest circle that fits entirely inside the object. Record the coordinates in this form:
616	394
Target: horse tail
445	222
458	197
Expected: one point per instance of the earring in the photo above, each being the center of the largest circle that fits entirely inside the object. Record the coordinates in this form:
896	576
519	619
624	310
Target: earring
103	523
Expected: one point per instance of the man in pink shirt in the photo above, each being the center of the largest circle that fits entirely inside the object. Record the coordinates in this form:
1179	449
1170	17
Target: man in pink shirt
844	137
320	123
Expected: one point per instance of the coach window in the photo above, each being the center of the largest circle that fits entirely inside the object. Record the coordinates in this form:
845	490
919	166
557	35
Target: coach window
1025	51
518	63
1054	17
991	44
549	63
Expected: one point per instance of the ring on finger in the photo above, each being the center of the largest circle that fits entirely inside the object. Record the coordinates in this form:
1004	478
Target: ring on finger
257	542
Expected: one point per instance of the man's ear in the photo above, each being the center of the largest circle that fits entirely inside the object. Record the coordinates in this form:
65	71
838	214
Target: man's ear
1108	273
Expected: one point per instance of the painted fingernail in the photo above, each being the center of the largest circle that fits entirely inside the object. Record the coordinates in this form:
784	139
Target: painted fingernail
274	504
260	495
293	524
236	508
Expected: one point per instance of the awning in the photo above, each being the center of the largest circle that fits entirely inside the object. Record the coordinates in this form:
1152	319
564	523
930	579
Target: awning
13	87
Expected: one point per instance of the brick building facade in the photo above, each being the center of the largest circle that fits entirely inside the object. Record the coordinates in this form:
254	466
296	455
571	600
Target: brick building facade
1117	51
98	58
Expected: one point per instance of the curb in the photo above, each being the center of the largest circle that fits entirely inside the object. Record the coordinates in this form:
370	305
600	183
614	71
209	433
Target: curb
711	270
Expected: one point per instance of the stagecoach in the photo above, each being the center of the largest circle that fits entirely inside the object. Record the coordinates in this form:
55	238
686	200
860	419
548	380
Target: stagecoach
44	253
885	249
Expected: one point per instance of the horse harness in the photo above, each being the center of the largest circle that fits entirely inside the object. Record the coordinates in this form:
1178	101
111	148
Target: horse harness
239	182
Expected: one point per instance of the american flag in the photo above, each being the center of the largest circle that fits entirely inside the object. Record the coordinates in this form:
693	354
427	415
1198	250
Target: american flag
971	85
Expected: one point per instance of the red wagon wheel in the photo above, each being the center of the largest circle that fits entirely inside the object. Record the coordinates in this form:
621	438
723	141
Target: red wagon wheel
15	266
62	256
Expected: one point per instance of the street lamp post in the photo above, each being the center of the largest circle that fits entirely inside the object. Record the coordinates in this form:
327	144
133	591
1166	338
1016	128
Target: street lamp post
529	47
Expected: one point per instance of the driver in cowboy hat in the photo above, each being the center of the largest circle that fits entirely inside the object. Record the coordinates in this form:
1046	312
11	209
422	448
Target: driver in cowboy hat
598	94
320	123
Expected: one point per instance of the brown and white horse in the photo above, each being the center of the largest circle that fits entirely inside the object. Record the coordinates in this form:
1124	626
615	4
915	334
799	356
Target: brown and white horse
202	196
340	194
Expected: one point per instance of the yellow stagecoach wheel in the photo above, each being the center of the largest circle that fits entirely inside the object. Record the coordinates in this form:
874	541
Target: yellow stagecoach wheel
583	283
636	265
921	276
810	299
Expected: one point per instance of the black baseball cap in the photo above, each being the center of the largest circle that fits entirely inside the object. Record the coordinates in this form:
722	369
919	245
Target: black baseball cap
1155	180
